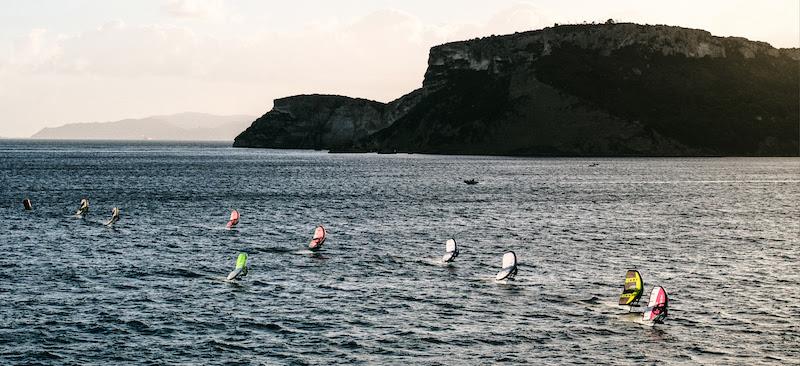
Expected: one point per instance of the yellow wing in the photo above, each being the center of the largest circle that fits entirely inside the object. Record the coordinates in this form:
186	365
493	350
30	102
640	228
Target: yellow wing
633	288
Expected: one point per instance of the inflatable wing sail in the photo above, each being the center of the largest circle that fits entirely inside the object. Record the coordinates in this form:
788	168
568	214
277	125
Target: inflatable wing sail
26	203
318	239
233	220
84	207
450	250
114	217
632	291
241	267
509	267
657	307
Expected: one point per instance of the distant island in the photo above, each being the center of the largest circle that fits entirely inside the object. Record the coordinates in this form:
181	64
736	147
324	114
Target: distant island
613	89
181	127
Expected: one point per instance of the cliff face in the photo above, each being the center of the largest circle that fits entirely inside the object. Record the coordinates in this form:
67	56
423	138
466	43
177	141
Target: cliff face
521	51
321	122
609	89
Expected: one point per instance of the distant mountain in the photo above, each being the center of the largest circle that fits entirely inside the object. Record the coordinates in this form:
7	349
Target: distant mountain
570	90
182	126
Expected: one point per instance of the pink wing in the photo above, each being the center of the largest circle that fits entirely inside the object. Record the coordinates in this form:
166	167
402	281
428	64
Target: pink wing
234	219
658	298
318	239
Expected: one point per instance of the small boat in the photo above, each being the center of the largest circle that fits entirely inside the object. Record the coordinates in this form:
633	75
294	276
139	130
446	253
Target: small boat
26	203
470	181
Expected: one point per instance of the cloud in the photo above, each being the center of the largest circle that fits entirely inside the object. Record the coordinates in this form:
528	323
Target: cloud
518	18
128	70
32	51
111	49
194	8
386	44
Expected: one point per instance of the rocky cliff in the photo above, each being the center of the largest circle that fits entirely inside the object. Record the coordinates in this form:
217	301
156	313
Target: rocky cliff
607	89
321	122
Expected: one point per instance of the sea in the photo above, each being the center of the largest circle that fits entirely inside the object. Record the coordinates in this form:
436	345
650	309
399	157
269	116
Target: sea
720	235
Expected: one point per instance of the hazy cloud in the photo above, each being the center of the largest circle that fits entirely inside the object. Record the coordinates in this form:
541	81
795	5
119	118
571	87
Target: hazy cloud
118	70
377	48
201	59
194	8
111	49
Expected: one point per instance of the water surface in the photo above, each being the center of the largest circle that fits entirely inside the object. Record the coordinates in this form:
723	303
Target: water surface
721	235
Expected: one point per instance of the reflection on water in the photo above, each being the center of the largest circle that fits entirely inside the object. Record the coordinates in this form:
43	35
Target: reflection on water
721	235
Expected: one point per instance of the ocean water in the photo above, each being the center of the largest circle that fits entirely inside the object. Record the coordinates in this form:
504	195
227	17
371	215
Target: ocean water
719	234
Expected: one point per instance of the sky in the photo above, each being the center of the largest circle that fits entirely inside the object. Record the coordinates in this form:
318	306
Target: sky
98	60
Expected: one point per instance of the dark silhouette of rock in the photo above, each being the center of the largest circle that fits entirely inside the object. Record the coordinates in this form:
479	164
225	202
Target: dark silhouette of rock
613	89
322	122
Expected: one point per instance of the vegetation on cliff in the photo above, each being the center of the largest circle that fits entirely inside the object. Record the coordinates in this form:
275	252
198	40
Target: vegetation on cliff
575	90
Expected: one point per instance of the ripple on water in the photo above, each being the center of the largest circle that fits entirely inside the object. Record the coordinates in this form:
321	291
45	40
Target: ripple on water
719	234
